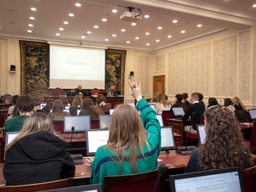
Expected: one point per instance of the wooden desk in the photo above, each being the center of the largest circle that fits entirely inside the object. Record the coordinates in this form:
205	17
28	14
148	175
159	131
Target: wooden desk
113	100
172	160
3	116
178	127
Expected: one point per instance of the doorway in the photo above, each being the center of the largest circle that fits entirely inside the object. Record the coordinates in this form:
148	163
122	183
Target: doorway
158	85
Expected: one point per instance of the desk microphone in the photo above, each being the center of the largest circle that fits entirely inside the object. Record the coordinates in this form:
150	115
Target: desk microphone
161	171
72	129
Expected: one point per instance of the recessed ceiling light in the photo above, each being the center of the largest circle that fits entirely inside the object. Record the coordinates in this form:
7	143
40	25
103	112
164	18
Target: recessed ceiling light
65	22
146	16
83	37
199	25
169	36
104	19
147	44
136	38
57	34
96	26
30	31
30	25
254	5
106	39
147	33
127	42
114	35
61	29
114	11
32	18
159	28
123	30
89	32
183	31
174	21
71	14
33	9
78	4
133	24
157	40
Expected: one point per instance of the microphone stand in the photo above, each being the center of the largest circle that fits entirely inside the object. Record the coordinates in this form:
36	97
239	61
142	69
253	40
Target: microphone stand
72	129
161	171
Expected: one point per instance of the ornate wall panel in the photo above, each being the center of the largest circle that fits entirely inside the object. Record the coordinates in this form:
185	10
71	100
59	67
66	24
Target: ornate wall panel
244	65
224	67
188	70
159	65
142	63
1	69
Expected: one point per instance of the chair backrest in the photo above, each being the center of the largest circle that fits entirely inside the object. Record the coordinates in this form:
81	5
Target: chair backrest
57	92
58	126
95	124
166	115
253	138
249	179
142	182
6	97
39	186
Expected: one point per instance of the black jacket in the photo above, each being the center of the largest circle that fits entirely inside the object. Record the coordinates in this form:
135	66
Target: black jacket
38	157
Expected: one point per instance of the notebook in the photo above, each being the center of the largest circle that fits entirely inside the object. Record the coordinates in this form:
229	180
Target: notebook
220	180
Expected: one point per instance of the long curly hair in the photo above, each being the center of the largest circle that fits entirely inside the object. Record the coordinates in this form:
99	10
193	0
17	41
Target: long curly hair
224	146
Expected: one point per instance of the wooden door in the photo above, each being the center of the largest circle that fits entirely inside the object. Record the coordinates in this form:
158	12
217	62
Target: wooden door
158	85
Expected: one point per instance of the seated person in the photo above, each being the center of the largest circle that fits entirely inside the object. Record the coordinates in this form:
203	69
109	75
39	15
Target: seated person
25	105
201	97
101	103
178	103
185	99
57	113
229	104
14	100
37	154
132	147
111	91
64	101
194	111
47	108
212	101
224	144
90	109
161	104
79	90
238	104
76	104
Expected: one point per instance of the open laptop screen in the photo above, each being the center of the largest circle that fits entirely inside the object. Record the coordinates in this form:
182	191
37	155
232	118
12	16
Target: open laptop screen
160	119
9	137
111	111
130	103
178	111
167	141
104	121
81	188
201	133
252	113
94	139
80	123
226	180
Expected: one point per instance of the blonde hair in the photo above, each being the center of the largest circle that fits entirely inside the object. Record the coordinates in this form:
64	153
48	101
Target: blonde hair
127	131
57	106
33	124
78	100
236	100
160	98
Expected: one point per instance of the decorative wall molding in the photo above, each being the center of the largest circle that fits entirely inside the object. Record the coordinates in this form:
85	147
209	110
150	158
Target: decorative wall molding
143	66
244	65
159	65
1	69
188	70
224	64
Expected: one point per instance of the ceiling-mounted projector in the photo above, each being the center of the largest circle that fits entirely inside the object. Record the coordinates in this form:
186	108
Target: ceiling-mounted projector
130	16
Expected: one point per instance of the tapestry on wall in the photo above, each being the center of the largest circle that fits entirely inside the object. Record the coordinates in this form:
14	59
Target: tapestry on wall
35	69
115	69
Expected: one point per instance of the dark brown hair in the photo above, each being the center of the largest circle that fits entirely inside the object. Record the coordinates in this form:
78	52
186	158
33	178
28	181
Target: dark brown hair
25	103
227	102
93	111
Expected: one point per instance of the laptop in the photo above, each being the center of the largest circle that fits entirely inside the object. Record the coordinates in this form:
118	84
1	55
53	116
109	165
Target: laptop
228	180
104	121
252	113
167	139
130	103
81	188
160	119
94	139
80	123
9	136
178	111
42	105
111	111
201	133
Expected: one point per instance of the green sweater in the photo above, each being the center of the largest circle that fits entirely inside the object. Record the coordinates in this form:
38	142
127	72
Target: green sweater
14	124
104	163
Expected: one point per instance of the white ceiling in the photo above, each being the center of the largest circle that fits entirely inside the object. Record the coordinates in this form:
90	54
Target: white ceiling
214	15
